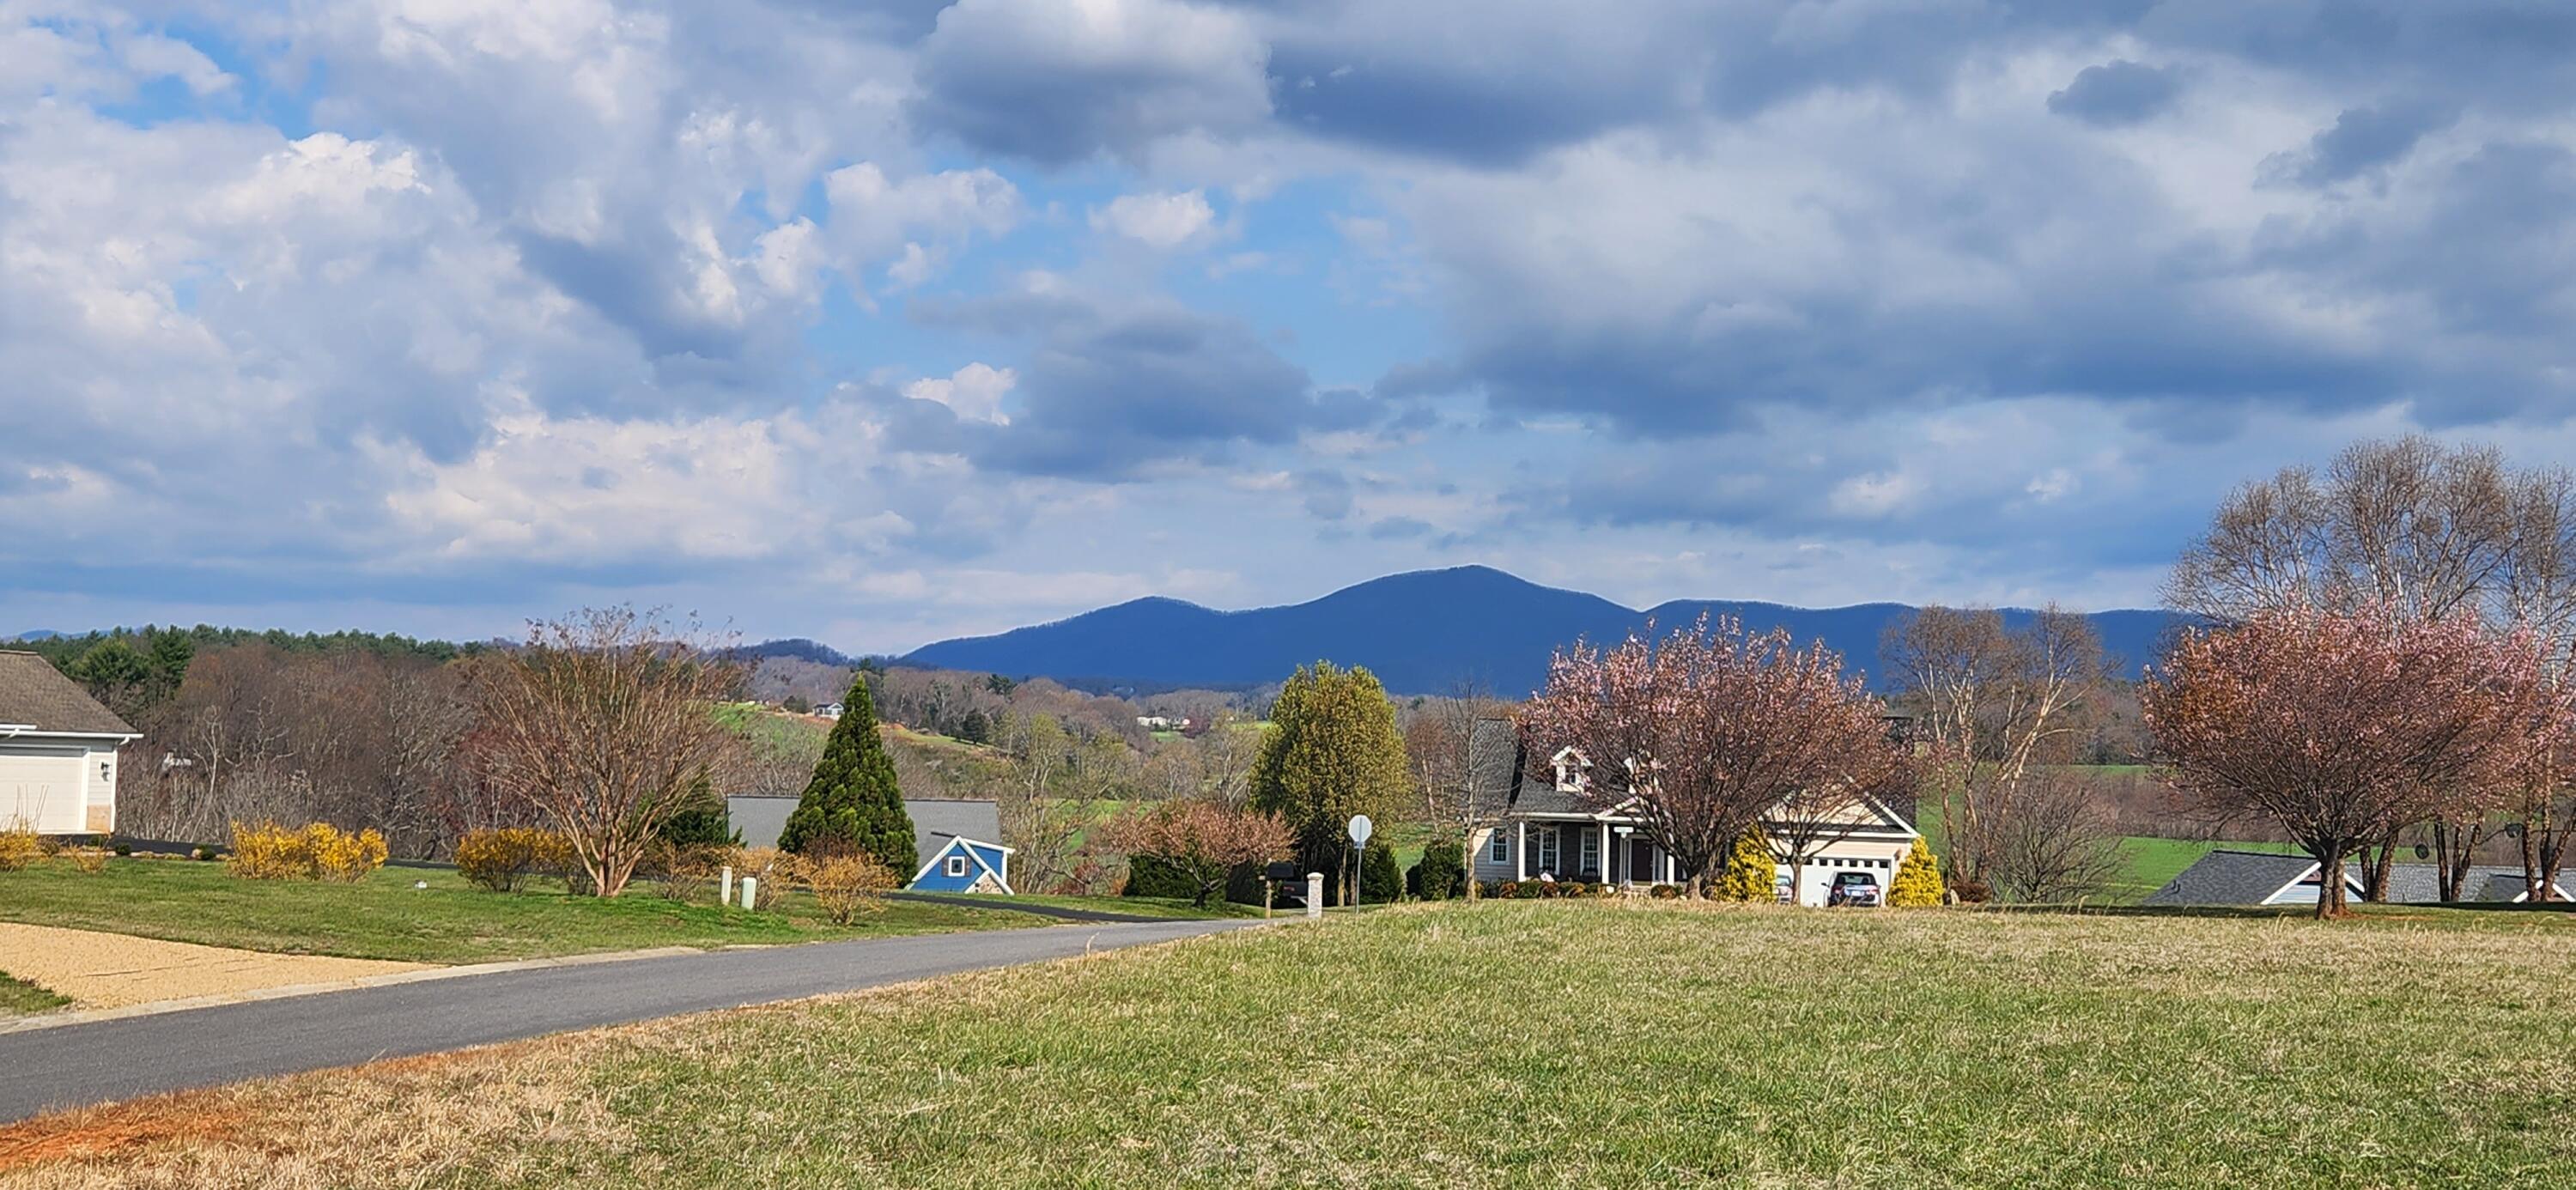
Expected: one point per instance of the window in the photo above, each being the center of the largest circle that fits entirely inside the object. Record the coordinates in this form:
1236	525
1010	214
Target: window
1587	856
956	865
1500	850
1546	849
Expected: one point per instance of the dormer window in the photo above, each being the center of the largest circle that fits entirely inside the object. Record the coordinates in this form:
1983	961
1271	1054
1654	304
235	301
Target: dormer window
1570	777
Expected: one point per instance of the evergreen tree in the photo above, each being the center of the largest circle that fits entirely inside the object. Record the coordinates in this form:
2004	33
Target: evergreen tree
1444	870
1381	880
852	801
1751	874
1332	752
1918	879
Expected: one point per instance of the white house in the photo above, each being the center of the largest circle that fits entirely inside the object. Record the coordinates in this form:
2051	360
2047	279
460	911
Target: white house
57	751
1539	825
2226	876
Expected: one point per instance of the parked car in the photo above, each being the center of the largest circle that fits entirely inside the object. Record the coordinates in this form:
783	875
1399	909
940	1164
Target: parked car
1785	889
1853	888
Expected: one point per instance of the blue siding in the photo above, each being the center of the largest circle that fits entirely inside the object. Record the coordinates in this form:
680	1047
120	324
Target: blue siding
938	879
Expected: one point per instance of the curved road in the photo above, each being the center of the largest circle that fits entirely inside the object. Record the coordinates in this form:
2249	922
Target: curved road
102	1061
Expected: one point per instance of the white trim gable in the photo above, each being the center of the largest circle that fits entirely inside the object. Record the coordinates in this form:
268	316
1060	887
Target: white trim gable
954	841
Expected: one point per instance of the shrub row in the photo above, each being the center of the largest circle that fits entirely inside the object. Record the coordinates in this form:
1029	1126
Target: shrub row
318	851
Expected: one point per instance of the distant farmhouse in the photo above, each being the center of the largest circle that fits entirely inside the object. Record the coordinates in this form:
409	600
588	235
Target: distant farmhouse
956	841
57	751
2232	877
829	710
1546	830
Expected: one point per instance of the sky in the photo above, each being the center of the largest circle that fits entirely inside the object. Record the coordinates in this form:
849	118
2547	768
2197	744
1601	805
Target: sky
883	323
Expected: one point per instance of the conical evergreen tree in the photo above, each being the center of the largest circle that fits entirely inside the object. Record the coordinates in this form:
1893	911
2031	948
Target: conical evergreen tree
1751	873
1918	879
852	800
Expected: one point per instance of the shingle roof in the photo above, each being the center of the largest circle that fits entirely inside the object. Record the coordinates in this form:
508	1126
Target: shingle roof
2226	877
2421	884
1510	780
35	694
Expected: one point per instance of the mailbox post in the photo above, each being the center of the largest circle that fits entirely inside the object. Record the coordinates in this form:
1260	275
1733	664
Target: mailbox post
1314	894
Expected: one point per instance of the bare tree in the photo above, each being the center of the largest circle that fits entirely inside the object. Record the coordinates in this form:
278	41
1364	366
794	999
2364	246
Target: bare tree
1991	701
2049	842
603	722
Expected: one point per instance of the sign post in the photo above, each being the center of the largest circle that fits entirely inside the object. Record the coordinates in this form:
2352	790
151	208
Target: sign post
1361	829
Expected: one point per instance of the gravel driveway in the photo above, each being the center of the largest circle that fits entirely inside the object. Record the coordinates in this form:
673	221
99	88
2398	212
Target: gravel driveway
100	970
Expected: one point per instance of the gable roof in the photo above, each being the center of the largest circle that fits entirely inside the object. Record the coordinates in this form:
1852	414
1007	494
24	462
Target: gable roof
2227	877
35	695
935	821
974	849
1507	778
2421	884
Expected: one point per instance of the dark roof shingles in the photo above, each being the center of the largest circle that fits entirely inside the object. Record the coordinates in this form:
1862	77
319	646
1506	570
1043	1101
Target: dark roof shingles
34	694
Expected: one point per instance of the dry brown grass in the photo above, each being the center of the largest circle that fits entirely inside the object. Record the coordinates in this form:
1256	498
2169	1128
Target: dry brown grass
499	1114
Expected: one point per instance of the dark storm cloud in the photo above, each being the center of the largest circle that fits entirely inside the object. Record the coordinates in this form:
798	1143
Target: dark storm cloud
2117	93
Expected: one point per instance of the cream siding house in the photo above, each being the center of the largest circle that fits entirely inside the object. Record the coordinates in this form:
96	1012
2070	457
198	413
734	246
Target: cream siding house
57	751
1536	824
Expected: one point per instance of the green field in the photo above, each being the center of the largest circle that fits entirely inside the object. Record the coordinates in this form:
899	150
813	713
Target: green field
451	921
18	997
1528	1044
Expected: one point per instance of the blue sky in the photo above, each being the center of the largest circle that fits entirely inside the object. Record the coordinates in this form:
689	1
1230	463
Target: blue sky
884	323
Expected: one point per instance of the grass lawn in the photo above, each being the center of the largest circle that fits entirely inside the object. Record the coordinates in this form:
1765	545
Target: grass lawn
18	997
1508	1044
384	917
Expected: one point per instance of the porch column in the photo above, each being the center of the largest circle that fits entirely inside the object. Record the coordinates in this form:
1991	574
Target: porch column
1605	853
1520	850
1668	866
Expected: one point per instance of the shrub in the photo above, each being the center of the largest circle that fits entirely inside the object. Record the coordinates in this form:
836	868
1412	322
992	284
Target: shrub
124	848
701	826
204	853
1972	892
1918	879
681	873
1381	880
847	885
1750	873
1667	892
1444	870
1525	890
20	847
502	859
319	851
91	860
1154	876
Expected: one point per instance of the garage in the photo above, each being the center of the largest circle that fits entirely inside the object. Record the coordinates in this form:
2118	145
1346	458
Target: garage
41	788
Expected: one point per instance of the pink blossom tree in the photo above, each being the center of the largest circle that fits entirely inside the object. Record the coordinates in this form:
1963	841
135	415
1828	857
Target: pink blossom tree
1710	730
2342	725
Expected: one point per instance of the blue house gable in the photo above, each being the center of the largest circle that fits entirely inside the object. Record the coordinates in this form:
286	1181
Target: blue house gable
966	865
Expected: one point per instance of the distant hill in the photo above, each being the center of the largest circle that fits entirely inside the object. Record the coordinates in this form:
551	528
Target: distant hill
36	635
1423	632
798	648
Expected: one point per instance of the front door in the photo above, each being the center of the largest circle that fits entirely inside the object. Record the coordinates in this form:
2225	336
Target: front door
1641	861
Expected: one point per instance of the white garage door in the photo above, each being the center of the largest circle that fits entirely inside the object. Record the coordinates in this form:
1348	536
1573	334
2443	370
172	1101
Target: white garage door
42	790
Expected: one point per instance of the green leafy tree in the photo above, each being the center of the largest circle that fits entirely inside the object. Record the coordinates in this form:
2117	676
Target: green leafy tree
1332	752
1918	879
1751	874
852	802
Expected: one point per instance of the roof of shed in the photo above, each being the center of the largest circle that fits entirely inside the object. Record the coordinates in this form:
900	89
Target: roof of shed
2226	877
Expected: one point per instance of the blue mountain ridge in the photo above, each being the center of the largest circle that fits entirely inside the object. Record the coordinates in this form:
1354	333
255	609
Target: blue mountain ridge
1421	632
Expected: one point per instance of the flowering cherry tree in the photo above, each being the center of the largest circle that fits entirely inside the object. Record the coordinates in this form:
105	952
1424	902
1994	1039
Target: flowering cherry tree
1711	730
2343	725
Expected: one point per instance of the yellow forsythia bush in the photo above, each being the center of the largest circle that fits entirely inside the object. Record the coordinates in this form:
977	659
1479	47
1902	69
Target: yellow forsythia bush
20	847
502	859
319	851
1750	874
1918	879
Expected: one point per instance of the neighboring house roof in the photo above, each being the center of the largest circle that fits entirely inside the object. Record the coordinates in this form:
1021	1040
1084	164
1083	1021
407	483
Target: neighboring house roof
936	821
2228	877
36	696
982	853
2421	884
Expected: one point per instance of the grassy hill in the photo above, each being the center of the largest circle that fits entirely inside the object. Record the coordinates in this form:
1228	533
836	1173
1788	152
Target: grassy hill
1516	1044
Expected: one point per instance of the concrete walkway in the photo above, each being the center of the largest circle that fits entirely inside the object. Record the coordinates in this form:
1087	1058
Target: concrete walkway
103	1061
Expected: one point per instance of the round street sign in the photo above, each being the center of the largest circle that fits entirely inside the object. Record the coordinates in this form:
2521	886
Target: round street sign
1360	828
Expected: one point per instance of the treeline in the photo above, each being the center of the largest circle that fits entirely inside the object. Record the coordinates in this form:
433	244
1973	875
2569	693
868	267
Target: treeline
133	669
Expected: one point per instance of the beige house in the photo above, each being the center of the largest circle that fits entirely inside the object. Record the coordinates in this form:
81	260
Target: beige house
1539	825
57	751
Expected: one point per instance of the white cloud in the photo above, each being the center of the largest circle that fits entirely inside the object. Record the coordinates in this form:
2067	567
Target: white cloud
975	392
1159	221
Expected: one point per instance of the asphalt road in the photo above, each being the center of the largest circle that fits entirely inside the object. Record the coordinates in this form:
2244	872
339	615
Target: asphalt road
44	1070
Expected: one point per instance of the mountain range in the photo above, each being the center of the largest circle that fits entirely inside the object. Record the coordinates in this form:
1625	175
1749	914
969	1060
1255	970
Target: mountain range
1421	632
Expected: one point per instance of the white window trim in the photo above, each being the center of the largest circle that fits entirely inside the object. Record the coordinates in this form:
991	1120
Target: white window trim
1545	851
1498	850
956	865
1587	852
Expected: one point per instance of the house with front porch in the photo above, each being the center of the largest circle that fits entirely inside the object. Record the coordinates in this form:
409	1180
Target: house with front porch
1536	824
